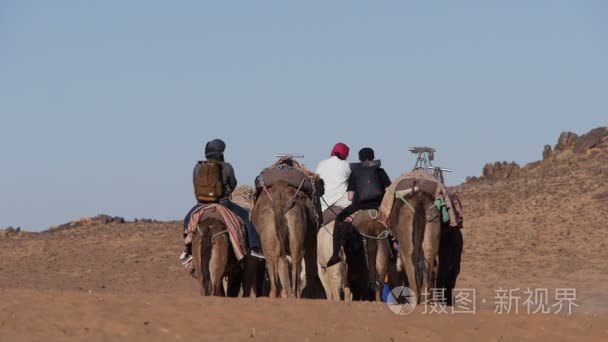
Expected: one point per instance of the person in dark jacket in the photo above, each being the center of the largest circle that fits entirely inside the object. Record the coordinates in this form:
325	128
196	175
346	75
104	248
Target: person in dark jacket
214	151
366	186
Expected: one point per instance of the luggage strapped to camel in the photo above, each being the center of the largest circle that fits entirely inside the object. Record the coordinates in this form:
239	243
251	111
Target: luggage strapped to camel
296	175
448	204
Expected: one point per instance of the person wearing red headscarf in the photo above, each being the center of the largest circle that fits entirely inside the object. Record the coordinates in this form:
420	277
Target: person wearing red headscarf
340	150
335	173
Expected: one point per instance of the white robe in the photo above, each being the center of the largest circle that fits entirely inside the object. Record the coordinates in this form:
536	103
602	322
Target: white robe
334	173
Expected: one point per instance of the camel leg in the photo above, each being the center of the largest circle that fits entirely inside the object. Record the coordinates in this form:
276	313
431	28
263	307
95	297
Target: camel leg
381	266
335	280
217	265
197	256
283	271
310	261
297	227
343	277
273	265
324	281
263	221
430	248
450	253
249	274
296	269
331	277
406	245
371	251
235	279
303	280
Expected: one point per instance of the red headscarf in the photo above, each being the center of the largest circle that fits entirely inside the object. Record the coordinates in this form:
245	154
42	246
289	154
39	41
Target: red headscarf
340	150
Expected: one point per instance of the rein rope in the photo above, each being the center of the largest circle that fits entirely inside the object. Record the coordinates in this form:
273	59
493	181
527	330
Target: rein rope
411	193
297	191
268	193
225	231
329	206
407	203
383	235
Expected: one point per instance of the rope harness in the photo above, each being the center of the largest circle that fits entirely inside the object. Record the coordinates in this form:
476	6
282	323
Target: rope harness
410	193
407	203
225	231
329	206
287	161
268	193
383	235
439	203
298	190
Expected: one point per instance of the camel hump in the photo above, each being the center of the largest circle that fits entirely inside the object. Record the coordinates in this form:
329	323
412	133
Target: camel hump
290	175
425	185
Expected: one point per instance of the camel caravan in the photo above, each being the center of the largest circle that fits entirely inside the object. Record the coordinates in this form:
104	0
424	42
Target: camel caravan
342	232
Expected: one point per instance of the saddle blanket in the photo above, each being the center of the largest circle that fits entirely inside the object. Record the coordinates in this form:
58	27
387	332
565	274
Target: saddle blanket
234	225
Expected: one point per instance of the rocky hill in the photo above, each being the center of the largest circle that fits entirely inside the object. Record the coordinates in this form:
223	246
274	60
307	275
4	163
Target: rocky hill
570	149
544	222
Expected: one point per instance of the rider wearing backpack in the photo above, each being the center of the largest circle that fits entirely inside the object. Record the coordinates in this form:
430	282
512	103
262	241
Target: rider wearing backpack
366	185
214	181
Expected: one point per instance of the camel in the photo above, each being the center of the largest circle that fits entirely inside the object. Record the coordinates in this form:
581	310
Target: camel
364	265
332	278
284	218
214	259
429	250
376	247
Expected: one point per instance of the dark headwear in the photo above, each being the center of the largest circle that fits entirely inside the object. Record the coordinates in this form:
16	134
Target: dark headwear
366	154
340	150
215	149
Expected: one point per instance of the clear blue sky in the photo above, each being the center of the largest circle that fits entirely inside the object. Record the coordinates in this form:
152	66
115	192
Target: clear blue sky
106	105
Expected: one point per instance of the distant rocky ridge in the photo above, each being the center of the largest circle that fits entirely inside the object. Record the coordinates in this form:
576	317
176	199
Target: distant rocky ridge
12	231
96	220
101	219
570	147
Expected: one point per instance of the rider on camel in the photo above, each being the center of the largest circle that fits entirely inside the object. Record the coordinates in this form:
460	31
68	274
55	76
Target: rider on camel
366	186
214	152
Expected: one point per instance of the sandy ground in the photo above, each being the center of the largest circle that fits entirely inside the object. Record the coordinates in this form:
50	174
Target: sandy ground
35	315
106	282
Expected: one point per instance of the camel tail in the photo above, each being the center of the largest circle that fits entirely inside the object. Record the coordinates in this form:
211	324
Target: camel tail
417	238
372	254
280	224
206	250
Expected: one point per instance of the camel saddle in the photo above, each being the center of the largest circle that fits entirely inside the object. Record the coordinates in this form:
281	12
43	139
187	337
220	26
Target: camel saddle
363	215
357	218
431	187
234	226
375	231
307	182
